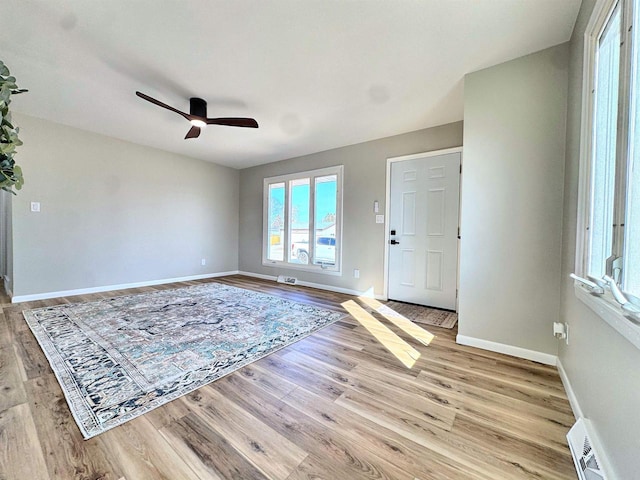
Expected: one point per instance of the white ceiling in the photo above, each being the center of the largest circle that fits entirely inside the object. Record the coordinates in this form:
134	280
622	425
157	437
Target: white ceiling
316	74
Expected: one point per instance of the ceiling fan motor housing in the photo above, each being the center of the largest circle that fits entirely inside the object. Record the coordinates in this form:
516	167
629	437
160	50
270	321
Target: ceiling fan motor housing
198	107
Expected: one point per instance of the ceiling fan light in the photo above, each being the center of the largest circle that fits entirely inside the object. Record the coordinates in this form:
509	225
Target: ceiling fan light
198	123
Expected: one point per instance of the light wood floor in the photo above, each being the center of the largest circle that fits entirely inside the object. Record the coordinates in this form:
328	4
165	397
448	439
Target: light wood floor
336	405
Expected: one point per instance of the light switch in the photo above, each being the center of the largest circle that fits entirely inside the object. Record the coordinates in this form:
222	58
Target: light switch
376	207
35	206
379	218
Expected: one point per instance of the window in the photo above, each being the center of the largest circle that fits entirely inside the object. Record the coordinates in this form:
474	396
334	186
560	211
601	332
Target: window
605	118
302	220
608	260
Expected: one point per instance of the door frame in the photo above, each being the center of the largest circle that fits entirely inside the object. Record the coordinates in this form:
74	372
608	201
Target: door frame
387	210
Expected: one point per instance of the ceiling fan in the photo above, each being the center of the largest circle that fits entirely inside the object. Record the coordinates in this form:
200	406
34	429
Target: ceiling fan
198	116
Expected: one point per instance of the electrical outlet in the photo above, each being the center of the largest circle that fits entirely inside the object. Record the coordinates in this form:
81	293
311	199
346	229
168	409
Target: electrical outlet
203	262
356	273
35	206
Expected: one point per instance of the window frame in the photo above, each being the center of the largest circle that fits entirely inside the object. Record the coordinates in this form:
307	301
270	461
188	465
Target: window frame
336	269
605	304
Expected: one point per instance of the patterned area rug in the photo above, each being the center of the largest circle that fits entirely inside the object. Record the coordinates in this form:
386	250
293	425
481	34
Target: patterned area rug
121	357
420	314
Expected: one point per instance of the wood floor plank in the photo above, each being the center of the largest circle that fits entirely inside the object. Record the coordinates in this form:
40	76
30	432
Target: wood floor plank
536	459
139	450
395	418
484	394
271	453
421	407
20	452
422	433
15	320
523	375
6	336
317	468
332	354
541	428
515	375
543	398
496	411
447	340
435	462
168	413
300	376
278	388
32	360
307	433
208	453
68	456
340	333
11	382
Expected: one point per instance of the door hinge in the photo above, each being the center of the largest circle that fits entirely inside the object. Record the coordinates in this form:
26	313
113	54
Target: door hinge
458	233
460	168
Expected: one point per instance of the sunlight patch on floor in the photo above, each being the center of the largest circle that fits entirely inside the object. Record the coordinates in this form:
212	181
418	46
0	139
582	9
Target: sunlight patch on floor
392	342
399	321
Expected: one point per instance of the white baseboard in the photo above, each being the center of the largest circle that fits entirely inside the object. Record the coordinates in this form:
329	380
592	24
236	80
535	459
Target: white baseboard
319	286
258	275
519	352
573	400
106	288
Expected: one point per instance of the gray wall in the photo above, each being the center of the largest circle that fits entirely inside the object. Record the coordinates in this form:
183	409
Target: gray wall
6	246
114	212
603	368
364	182
512	185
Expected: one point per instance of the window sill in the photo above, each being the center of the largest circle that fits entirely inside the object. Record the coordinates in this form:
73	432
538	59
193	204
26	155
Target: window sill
304	268
609	310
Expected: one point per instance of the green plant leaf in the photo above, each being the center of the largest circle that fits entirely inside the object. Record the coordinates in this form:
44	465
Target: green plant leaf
7	148
10	173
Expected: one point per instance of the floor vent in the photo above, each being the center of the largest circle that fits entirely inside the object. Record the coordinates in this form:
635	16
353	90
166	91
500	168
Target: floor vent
286	279
584	454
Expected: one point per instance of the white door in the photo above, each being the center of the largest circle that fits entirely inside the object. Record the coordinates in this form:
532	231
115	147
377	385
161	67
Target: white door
423	223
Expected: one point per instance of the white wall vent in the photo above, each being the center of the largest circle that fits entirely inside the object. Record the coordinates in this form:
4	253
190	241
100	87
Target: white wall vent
286	279
584	455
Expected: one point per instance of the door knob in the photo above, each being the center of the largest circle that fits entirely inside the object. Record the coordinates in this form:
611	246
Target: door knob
394	242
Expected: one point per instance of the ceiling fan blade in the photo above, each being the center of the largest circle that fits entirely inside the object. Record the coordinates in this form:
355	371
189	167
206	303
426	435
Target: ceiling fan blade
194	132
163	105
233	122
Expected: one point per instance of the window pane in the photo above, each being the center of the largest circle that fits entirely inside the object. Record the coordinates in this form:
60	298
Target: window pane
275	241
326	193
631	268
604	147
300	211
299	220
